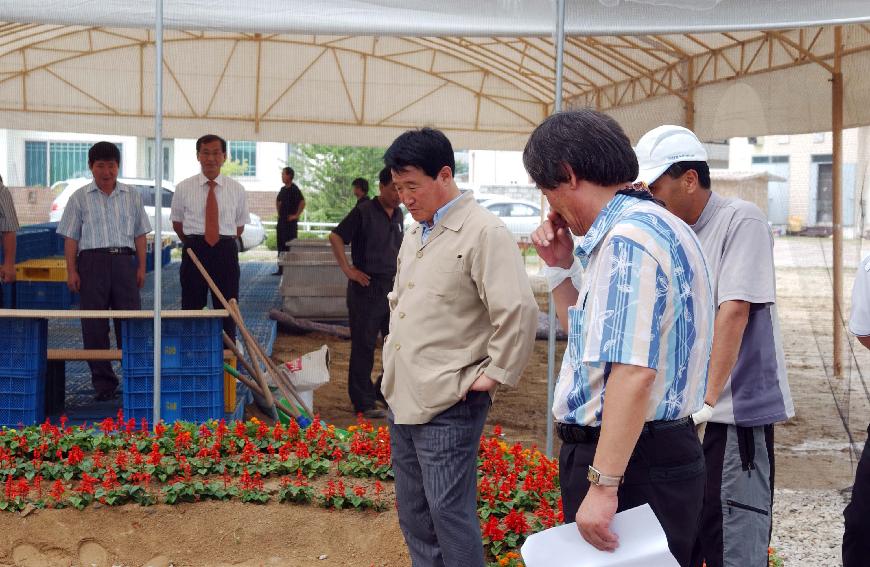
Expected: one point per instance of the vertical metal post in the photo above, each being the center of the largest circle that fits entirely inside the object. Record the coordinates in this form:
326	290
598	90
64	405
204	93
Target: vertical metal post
158	200
837	189
551	315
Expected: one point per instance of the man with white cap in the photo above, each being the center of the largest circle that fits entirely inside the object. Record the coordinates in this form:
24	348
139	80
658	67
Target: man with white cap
747	388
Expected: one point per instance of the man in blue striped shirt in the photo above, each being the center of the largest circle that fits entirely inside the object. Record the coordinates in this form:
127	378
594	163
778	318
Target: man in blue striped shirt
639	329
105	226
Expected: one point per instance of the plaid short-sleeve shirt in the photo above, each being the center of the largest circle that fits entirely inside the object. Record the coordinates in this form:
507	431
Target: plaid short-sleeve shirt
646	301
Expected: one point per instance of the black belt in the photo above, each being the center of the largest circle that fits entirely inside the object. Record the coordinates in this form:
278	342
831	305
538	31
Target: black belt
570	433
202	237
114	250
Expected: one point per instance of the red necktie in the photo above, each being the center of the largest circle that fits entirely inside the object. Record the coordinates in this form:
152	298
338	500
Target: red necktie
212	233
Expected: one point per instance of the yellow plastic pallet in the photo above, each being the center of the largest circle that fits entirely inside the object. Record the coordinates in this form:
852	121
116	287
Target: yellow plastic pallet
41	270
230	387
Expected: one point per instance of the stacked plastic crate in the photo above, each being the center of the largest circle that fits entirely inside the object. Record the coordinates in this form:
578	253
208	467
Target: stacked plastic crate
40	271
192	374
165	252
22	371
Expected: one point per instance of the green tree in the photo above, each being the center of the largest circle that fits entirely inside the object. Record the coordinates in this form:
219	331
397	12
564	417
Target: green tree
324	174
232	168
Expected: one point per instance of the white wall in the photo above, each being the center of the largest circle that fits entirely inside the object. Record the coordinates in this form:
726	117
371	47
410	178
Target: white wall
487	167
14	150
271	157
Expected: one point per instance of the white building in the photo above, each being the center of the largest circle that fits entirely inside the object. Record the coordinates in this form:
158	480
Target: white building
804	200
42	158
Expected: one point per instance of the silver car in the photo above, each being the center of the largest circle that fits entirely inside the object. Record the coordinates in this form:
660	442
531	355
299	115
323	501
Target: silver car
253	235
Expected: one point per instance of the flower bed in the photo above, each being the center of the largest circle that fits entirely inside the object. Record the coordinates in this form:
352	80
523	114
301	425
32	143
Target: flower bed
121	461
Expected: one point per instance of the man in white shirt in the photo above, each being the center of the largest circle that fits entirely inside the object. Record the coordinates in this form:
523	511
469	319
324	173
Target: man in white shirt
209	213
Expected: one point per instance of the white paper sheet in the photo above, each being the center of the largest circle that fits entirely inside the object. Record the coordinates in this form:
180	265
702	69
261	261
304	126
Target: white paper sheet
641	542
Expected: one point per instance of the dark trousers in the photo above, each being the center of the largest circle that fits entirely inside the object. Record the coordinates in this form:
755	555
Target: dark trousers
856	538
369	314
285	232
108	281
738	500
221	261
435	465
666	471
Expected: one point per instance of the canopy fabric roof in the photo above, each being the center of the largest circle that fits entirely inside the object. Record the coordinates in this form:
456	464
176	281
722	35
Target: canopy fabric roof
353	72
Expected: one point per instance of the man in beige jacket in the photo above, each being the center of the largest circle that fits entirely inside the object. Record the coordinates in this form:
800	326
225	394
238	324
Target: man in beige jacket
462	321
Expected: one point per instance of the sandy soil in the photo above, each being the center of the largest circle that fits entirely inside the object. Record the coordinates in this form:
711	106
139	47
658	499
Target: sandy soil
813	452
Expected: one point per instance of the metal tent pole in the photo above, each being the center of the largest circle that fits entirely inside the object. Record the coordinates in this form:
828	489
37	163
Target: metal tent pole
551	315
158	201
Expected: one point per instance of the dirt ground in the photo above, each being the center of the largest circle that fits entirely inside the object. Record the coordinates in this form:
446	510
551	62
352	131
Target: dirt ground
813	451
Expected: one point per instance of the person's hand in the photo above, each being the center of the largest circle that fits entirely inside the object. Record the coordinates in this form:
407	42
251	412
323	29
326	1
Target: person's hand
595	515
483	384
140	277
553	242
358	276
7	273
73	282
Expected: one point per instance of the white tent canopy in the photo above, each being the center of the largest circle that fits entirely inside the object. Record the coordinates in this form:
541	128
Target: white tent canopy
361	72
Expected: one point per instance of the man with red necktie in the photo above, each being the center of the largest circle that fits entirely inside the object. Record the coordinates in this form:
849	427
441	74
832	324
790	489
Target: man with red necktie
209	213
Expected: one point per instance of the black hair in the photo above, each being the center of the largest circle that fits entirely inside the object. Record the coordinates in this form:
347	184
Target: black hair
362	184
700	167
427	149
209	138
591	143
104	151
289	171
385	177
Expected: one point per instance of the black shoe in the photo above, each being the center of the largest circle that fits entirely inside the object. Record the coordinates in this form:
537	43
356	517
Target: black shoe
374	413
106	396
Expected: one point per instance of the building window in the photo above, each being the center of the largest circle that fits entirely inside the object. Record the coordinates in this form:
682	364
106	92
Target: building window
35	164
246	154
819	138
46	163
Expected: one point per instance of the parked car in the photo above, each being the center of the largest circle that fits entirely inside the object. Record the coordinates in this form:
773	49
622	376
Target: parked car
521	217
252	236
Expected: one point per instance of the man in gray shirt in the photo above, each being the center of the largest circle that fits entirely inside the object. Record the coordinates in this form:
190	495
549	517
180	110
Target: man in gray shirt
8	228
105	226
747	388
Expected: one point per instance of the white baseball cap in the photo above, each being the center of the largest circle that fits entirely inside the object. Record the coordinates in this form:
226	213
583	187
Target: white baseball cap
664	146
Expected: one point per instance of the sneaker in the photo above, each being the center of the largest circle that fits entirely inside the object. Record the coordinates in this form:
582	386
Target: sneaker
374	413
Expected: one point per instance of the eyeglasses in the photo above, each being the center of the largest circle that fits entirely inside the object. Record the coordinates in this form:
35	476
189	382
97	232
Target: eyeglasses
211	154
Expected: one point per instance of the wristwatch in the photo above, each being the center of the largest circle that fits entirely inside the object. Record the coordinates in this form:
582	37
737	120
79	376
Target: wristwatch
595	477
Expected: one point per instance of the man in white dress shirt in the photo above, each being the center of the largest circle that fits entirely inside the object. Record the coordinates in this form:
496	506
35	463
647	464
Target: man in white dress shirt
209	213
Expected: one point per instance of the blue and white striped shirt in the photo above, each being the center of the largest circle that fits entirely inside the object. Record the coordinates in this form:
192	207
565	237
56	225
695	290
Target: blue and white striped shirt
98	220
646	300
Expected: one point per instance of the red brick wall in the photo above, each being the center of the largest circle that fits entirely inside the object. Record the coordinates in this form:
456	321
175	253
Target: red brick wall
32	204
262	203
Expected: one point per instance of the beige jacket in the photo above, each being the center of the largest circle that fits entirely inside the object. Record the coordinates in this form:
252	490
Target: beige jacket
461	305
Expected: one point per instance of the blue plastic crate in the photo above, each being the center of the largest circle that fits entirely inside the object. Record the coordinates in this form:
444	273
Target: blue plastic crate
57	239
165	258
190	347
44	295
22	399
30	244
23	344
197	398
8	296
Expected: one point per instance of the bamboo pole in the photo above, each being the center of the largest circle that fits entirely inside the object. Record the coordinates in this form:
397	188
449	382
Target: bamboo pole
285	386
254	386
267	393
837	190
